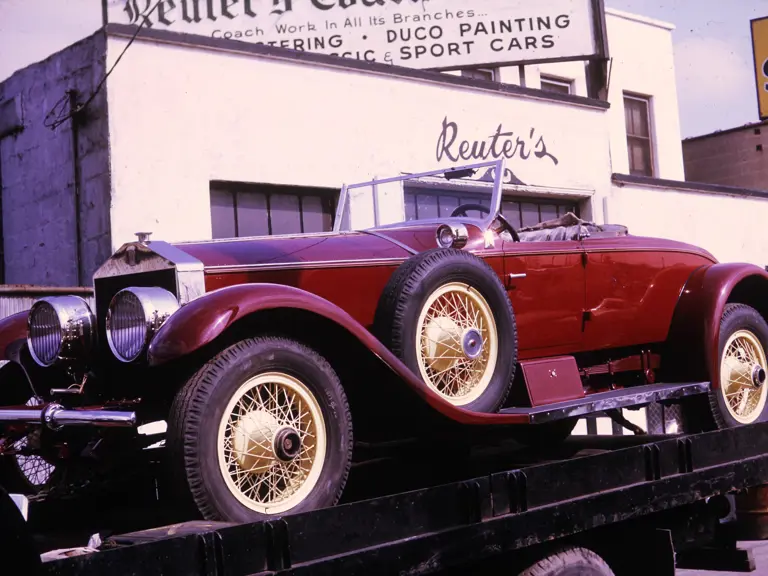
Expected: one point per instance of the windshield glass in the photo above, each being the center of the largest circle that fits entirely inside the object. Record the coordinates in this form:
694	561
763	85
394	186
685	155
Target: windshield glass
469	192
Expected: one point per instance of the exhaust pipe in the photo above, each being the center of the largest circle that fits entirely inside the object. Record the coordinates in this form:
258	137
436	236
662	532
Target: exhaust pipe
55	417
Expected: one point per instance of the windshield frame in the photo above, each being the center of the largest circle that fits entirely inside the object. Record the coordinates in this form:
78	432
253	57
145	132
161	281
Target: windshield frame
483	223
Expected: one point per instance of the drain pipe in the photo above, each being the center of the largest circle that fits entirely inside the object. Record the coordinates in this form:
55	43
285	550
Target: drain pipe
75	118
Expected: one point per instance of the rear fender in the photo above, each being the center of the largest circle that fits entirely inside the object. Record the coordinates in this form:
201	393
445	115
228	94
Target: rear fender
693	343
205	319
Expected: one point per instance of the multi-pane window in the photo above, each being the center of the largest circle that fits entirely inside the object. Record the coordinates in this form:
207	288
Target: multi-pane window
421	204
239	210
559	85
639	145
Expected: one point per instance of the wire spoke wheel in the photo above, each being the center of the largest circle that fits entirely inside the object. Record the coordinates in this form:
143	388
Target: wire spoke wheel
742	376
271	442
457	343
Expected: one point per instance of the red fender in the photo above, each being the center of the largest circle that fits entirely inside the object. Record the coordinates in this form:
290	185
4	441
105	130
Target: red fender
696	323
12	329
206	318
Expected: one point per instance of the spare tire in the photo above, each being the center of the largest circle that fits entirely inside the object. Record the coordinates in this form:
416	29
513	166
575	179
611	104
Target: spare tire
447	316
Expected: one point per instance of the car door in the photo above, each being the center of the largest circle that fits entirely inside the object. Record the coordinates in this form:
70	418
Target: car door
546	285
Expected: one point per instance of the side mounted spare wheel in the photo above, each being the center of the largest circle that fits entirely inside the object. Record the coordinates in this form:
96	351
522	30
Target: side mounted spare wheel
447	316
263	428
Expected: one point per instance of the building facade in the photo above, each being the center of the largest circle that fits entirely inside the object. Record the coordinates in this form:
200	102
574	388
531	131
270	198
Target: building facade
195	137
734	157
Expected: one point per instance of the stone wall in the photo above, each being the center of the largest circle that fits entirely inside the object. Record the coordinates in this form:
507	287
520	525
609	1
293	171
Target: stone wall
37	169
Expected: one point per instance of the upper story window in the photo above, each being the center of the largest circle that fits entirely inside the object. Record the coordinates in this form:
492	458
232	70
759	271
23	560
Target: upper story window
481	74
239	209
639	144
552	84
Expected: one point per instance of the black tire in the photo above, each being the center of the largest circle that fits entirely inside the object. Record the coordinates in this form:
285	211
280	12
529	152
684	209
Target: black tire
407	292
198	409
711	413
573	561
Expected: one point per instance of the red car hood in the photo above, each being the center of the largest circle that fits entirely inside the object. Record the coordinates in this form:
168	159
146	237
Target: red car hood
328	249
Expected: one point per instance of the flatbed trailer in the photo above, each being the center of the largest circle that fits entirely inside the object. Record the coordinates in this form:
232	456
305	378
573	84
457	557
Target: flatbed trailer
645	505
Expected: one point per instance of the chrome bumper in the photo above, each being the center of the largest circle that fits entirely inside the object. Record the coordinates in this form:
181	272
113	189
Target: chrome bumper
55	416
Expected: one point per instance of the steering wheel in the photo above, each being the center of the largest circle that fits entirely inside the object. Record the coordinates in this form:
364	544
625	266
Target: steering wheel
461	210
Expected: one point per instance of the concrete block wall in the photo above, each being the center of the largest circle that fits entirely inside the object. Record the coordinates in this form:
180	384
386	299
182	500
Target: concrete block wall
734	158
37	173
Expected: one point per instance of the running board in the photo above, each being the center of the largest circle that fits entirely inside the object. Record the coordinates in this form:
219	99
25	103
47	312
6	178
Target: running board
612	400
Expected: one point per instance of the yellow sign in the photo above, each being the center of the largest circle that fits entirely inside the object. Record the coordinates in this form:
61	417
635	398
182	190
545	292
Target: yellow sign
760	52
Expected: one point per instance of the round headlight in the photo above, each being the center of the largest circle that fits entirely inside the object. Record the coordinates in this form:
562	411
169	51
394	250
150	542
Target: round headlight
134	317
452	236
59	328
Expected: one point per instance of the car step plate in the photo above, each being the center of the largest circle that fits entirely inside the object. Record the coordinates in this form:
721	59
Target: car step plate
611	400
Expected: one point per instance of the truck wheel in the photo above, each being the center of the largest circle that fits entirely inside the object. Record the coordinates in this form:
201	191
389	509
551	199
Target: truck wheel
741	395
570	562
263	428
447	316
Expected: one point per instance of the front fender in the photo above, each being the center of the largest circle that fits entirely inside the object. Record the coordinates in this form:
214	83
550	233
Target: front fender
13	333
206	318
694	335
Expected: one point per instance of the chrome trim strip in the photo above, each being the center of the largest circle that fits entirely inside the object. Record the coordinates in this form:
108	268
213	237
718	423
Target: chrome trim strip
513	276
388	239
268	237
305	265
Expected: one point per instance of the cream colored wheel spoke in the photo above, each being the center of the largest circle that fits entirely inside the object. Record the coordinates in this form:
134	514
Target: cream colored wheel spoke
272	443
457	343
744	395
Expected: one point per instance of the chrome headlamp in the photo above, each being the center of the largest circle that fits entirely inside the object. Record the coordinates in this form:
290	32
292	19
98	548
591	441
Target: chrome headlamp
134	317
60	328
452	236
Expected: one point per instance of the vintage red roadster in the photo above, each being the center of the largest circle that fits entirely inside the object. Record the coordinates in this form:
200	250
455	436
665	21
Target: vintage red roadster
271	358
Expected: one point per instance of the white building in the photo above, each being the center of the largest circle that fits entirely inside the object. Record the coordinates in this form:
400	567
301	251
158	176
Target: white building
194	137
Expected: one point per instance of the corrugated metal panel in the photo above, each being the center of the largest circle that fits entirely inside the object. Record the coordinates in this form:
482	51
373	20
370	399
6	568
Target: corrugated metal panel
20	297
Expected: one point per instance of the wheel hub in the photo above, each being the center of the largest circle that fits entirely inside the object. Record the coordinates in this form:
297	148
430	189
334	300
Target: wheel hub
472	343
253	438
286	444
758	375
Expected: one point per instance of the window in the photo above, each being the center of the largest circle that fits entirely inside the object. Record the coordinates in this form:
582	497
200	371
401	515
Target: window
480	73
636	117
239	210
421	204
550	84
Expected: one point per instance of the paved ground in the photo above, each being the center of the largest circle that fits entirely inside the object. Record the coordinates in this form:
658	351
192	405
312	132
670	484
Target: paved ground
760	551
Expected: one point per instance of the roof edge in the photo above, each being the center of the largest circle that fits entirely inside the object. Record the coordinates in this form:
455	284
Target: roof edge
641	19
379	68
646	181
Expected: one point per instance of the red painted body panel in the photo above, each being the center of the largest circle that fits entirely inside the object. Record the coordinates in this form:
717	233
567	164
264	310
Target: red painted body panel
206	318
549	301
552	380
631	296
